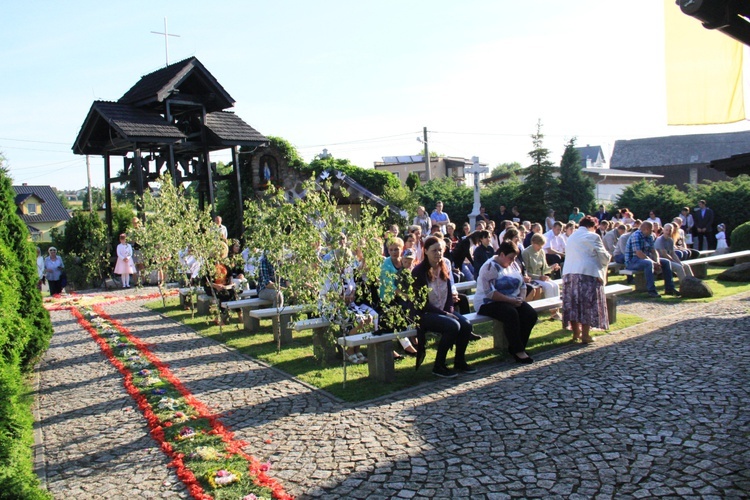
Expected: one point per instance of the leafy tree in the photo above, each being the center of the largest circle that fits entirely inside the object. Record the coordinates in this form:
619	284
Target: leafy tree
540	189
122	220
506	193
288	235
412	181
174	224
294	236
506	168
576	188
406	202
63	199
97	196
457	200
83	247
643	196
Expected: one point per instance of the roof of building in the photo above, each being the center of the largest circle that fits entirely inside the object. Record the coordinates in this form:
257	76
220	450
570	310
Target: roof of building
107	121
188	76
590	152
678	149
594	171
613	172
230	130
401	160
52	208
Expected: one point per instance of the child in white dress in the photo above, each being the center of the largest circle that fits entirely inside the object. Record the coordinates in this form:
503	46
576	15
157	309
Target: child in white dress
721	240
124	266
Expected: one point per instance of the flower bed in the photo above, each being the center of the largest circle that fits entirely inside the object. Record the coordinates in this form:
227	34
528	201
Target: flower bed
207	457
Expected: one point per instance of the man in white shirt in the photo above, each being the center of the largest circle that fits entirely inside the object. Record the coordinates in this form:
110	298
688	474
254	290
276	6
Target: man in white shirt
222	228
554	248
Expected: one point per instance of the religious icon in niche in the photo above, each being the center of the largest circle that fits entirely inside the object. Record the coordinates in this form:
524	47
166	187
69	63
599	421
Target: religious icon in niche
268	171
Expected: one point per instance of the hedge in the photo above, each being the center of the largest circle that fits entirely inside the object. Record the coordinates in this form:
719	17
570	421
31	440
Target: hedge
25	330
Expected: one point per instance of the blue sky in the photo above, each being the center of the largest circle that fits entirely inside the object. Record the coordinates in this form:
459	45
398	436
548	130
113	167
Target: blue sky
358	78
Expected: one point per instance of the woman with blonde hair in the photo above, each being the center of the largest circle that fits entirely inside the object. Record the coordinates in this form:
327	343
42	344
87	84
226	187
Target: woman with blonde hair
538	270
665	247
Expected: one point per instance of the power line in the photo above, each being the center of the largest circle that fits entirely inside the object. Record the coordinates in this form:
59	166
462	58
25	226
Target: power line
358	140
33	149
70	162
28	140
46	173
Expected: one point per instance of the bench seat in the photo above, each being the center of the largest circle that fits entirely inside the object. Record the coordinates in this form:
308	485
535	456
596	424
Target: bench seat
380	351
283	315
699	266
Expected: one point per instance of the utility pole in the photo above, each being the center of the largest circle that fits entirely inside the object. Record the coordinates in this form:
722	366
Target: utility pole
166	39
88	173
428	174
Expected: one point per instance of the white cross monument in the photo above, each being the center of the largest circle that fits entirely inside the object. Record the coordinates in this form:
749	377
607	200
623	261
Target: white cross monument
475	169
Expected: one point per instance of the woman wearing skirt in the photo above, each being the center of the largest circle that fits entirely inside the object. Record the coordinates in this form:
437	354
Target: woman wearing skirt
584	274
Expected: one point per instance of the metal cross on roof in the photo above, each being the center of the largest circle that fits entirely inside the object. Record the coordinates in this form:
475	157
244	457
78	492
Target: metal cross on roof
166	34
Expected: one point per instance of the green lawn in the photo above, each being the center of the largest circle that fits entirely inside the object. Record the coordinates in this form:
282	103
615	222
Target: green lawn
297	358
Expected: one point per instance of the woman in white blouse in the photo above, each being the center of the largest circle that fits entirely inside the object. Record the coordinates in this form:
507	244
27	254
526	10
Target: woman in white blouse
584	274
500	291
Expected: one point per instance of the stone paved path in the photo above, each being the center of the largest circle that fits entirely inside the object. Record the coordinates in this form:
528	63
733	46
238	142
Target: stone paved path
662	409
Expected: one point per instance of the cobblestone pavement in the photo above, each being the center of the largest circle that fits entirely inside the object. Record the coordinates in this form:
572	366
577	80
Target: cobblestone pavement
660	409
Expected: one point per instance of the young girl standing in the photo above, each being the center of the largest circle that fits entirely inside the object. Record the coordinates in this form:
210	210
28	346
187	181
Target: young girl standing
124	266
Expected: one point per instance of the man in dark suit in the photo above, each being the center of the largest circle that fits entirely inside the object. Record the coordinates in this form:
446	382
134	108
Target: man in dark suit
500	218
704	220
602	214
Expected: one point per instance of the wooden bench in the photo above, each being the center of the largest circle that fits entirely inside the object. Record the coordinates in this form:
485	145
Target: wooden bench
283	316
466	286
247	294
185	292
615	266
700	266
380	351
246	305
639	279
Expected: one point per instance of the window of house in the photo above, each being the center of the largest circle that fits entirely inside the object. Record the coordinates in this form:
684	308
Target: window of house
31	207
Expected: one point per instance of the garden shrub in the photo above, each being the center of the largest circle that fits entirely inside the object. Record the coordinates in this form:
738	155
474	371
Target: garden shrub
664	199
741	237
83	248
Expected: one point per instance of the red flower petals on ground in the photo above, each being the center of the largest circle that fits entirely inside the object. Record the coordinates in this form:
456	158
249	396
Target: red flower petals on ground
233	446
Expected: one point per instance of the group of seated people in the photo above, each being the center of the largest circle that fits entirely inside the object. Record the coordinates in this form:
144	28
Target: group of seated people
511	267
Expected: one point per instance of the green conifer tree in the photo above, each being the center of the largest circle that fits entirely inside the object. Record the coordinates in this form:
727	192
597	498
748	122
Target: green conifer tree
540	188
576	188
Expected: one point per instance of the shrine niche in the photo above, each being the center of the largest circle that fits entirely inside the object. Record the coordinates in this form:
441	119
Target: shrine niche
268	169
171	120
